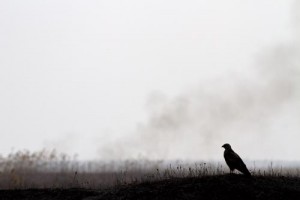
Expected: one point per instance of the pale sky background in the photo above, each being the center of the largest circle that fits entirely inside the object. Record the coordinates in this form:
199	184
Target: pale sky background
105	79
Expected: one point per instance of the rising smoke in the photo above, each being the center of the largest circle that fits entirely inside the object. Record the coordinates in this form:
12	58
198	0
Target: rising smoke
260	111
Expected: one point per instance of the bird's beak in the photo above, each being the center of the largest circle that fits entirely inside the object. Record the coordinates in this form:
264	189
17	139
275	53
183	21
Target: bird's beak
223	146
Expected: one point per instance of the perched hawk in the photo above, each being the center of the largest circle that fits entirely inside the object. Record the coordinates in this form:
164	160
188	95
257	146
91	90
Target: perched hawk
234	161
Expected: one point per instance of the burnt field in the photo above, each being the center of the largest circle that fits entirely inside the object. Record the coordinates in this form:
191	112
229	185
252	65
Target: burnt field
206	187
47	175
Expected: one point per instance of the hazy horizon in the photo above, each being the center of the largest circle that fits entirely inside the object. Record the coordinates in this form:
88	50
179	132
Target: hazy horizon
151	79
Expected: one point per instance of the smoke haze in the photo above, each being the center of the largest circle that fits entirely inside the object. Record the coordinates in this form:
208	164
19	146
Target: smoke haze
258	108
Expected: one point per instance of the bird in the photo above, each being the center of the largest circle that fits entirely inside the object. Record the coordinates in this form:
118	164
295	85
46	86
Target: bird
234	161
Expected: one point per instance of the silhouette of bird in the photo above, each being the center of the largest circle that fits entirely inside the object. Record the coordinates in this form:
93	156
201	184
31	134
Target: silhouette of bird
234	161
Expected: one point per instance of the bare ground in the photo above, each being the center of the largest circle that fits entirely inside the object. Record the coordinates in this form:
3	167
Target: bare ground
207	187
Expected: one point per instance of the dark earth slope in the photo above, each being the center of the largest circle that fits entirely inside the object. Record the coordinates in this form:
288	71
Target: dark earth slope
209	187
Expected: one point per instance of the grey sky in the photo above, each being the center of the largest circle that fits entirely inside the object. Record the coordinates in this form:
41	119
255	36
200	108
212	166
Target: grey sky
77	75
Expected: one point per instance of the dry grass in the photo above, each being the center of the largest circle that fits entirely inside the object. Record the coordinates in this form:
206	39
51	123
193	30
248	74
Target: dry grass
49	169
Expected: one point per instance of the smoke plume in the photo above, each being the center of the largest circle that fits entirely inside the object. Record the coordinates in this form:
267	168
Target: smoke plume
259	110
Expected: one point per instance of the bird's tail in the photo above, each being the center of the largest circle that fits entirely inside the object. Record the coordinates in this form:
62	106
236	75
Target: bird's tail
247	173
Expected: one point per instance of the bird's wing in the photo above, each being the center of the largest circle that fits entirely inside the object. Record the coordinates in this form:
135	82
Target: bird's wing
239	164
237	158
233	159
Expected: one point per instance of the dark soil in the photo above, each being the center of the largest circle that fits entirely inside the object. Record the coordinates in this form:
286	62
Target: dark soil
209	187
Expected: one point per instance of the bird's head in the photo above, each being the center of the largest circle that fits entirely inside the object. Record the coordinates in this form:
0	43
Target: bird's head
226	146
